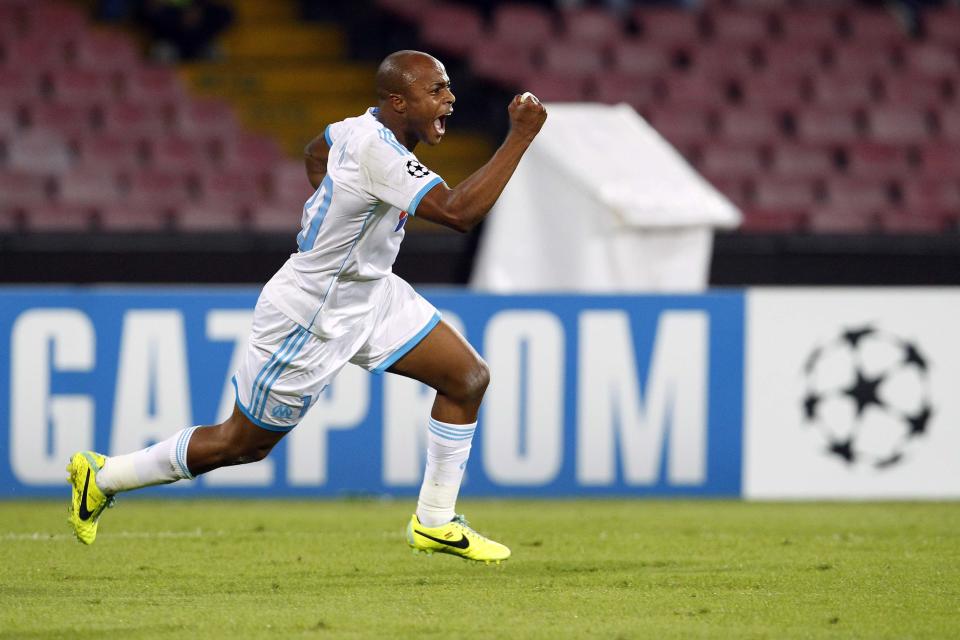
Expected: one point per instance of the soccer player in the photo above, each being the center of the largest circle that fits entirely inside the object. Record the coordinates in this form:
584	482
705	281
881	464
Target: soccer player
336	300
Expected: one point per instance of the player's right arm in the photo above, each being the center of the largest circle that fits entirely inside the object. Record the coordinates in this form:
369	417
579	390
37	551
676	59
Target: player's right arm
315	158
464	206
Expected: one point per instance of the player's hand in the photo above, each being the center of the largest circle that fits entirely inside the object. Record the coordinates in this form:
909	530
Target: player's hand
526	116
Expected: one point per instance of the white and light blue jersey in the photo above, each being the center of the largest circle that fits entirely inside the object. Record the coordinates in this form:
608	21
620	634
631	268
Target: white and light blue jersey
351	227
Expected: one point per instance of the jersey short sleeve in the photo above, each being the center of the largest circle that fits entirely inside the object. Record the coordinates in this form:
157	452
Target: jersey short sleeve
395	175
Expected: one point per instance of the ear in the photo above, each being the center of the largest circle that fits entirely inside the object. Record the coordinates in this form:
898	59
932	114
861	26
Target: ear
398	103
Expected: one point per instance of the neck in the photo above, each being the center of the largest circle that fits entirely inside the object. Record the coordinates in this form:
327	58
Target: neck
391	121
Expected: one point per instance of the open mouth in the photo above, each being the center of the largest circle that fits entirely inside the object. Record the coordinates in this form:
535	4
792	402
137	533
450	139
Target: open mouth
440	125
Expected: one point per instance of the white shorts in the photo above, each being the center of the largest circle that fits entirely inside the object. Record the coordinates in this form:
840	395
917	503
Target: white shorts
286	366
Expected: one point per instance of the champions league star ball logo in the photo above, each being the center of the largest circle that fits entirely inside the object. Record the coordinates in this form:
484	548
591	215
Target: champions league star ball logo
868	394
416	169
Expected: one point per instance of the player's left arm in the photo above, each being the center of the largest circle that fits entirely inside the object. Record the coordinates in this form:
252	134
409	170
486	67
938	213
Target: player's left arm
315	158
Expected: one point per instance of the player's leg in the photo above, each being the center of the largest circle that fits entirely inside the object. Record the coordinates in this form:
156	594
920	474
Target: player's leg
246	436
96	478
445	361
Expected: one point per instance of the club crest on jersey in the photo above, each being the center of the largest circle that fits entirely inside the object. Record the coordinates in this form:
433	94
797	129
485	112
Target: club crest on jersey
402	221
416	169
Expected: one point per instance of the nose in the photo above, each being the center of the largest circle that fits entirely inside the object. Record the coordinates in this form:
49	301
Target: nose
452	98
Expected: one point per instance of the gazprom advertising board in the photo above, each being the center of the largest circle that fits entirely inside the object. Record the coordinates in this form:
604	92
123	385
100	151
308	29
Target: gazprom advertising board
589	395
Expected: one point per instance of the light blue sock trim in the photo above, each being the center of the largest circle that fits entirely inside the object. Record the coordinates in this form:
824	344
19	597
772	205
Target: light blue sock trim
450	432
181	452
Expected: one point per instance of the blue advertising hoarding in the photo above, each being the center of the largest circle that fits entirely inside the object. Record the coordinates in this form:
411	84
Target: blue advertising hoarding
590	395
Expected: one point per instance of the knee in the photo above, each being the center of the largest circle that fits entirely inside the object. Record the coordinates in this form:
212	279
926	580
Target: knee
471	383
244	453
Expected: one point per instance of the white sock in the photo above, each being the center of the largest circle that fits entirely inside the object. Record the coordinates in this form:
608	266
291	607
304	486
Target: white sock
162	463
448	447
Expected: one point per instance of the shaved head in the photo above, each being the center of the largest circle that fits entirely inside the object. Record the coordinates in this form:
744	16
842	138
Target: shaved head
401	69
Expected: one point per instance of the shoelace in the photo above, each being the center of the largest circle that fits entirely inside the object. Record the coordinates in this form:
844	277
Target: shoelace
462	521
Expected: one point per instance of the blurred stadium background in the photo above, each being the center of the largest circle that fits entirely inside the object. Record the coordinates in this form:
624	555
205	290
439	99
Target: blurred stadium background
127	155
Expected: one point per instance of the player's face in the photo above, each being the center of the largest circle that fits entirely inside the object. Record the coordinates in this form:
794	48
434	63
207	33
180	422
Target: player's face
429	103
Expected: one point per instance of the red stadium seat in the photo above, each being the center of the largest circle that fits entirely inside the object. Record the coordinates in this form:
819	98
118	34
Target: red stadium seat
772	221
856	195
930	195
668	26
9	120
739	27
506	63
288	182
949	121
899	125
725	59
793	58
110	151
877	26
71	120
826	126
106	51
124	217
696	90
803	161
207	118
829	220
276	217
232	186
59	218
17	188
209	216
451	28
784	194
877	161
527	24
843	91
148	187
942	25
735	190
941	159
811	26
731	162
591	25
39	151
640	58
135	119
773	90
913	90
750	125
557	87
82	87
181	154
89	186
933	59
41	52
898	223
579	60
18	85
613	88
682	126
152	85
251	152
860	59
54	20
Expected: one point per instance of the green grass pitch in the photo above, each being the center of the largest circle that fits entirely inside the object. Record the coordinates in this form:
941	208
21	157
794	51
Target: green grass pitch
580	569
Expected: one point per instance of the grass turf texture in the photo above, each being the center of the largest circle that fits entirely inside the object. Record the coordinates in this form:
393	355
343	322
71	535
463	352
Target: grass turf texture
598	569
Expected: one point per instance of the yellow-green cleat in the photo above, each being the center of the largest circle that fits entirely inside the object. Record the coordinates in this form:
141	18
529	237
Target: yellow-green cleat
456	538
87	501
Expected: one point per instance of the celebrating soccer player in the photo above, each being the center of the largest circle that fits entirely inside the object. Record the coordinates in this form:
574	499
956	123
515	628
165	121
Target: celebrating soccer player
336	300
